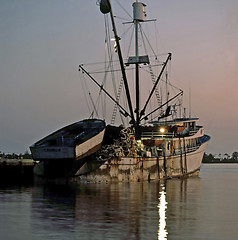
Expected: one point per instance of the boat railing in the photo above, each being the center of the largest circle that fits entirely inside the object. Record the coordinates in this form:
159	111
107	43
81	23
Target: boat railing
187	149
192	148
193	132
155	135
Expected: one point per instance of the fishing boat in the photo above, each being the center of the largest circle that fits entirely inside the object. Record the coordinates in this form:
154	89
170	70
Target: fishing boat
159	142
61	153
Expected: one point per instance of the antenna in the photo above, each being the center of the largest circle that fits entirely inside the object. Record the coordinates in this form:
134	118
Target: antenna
189	99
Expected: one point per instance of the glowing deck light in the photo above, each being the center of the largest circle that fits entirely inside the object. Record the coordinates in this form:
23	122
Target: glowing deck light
162	130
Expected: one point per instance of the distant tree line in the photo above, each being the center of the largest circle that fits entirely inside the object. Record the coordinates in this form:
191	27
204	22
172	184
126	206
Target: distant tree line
220	158
207	158
26	155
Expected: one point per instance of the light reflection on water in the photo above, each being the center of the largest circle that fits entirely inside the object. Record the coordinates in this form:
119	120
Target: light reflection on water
195	208
162	206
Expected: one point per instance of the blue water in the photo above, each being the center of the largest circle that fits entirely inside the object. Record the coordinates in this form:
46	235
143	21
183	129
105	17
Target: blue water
203	207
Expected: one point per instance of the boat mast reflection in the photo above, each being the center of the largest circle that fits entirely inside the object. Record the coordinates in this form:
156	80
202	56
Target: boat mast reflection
162	206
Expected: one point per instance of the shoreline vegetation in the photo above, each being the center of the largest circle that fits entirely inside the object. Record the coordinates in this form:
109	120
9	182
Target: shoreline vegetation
26	155
220	158
207	158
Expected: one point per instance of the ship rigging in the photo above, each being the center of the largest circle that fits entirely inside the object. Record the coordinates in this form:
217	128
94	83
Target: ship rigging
139	114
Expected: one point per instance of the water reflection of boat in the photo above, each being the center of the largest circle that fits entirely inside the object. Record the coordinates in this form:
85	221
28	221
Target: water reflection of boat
179	201
139	210
117	210
156	210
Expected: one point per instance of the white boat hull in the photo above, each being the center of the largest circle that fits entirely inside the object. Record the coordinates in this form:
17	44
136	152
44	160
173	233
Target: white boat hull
63	152
42	153
143	168
56	152
89	147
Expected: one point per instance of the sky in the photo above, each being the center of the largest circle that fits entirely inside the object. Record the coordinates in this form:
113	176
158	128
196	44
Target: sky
43	42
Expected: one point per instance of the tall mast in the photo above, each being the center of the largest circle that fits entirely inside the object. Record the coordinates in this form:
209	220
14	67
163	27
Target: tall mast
138	16
105	7
136	23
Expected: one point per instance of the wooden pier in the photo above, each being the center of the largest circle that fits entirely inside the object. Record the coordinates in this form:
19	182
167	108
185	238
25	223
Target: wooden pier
16	170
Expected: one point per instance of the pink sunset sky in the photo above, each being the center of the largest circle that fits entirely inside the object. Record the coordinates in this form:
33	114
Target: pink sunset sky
43	42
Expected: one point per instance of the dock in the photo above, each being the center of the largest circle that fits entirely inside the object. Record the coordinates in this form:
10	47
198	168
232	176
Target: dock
16	170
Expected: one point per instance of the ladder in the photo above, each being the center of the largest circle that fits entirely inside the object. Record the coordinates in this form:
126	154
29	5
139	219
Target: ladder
117	99
159	101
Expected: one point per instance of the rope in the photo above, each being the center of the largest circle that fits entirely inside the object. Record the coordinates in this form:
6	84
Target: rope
85	90
124	9
153	77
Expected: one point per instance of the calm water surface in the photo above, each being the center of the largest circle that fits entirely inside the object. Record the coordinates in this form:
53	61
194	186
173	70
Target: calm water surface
204	207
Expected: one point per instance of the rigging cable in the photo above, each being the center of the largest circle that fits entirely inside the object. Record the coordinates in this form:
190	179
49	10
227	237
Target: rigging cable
124	9
153	77
84	86
156	40
94	107
111	67
147	41
116	92
130	42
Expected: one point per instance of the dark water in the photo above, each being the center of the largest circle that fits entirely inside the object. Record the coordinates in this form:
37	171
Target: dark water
204	207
